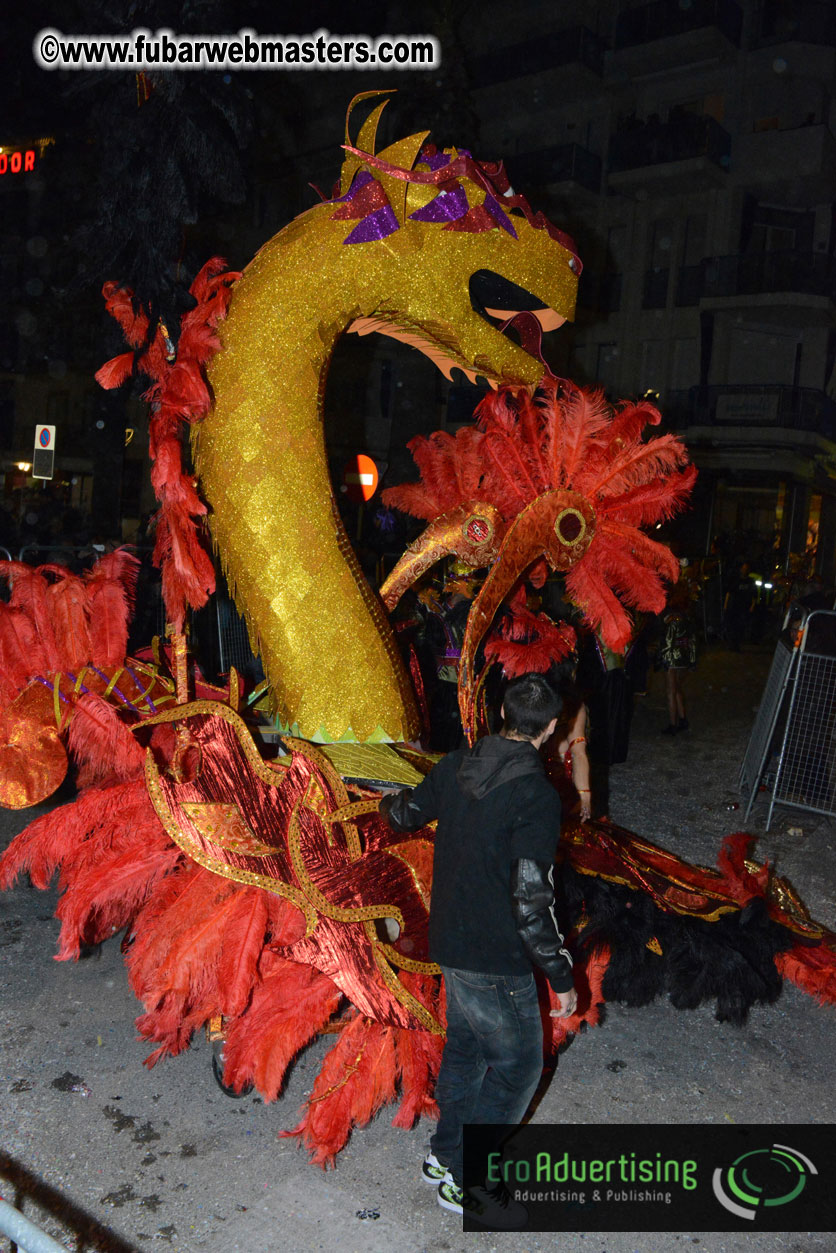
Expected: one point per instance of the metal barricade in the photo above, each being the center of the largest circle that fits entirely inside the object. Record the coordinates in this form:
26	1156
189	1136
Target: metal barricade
219	638
25	1235
806	774
792	747
766	720
233	639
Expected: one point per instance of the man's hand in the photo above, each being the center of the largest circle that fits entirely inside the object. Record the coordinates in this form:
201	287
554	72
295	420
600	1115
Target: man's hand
568	1002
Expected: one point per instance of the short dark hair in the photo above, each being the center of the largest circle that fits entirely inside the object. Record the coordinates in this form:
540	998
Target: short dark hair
530	703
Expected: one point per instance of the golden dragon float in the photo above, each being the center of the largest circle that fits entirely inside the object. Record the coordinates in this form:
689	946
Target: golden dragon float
265	892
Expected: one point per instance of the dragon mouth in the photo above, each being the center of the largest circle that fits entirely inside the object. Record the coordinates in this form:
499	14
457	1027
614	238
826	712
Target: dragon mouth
493	298
498	301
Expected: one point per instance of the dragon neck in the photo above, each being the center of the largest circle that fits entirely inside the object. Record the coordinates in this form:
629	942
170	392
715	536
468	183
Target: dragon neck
328	652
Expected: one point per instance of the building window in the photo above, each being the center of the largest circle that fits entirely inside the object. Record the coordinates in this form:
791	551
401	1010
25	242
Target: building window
657	276
606	368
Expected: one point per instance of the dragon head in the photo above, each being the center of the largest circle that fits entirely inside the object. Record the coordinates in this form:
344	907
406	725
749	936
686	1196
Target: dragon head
498	265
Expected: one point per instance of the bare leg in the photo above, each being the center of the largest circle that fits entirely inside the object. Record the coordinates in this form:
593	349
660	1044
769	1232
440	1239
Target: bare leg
679	695
671	689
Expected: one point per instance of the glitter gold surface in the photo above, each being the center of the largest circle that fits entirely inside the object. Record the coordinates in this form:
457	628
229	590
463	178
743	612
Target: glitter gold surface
372	761
325	642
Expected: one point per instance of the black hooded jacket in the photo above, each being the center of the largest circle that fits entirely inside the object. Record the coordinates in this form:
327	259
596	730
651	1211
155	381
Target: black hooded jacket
498	828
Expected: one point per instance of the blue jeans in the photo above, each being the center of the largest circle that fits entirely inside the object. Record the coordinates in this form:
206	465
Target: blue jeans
493	1056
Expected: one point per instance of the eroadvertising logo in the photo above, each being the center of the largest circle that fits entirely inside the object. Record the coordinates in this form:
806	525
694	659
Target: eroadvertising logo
658	1177
773	1176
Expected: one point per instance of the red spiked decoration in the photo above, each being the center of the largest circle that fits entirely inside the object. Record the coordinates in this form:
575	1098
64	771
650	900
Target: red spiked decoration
178	394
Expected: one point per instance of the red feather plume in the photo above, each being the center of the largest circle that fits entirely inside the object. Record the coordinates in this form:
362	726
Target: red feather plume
30	596
289	1006
357	1077
570	438
178	393
102	743
68	603
111	590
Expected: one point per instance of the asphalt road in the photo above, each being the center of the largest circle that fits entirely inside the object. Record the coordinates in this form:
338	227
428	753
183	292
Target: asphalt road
107	1155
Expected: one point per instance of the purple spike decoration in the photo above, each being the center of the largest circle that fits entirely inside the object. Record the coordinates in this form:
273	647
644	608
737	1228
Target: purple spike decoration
449	206
358	182
435	160
377	225
499	215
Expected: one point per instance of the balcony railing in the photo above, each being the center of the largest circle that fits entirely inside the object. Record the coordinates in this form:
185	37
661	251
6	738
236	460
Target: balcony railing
559	164
760	273
578	45
805	21
767	405
665	18
681	138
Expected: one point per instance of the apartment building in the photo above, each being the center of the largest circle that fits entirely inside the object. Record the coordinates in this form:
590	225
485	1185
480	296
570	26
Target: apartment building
689	146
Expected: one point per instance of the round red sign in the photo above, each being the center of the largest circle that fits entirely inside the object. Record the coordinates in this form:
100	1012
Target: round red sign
360	478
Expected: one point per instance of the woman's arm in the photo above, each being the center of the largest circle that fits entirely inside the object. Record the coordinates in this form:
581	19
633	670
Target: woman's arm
575	743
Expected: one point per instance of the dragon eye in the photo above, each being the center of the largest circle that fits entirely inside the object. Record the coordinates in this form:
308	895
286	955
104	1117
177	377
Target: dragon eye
569	526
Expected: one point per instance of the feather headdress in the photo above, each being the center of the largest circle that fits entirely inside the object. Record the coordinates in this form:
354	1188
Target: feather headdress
574	481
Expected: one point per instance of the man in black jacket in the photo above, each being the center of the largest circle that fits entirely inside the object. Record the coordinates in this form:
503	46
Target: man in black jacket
491	920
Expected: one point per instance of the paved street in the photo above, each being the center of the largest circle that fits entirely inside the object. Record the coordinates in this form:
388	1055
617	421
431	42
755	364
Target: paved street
91	1141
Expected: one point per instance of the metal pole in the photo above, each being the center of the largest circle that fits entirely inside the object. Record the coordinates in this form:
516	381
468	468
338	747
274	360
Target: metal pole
710	520
222	667
28	1237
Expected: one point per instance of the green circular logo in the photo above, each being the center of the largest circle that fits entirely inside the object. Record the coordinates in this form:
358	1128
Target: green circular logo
762	1178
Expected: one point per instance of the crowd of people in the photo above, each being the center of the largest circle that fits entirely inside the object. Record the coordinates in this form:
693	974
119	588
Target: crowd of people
710	605
40	529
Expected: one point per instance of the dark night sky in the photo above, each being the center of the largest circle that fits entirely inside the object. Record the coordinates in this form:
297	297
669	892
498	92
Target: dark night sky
124	181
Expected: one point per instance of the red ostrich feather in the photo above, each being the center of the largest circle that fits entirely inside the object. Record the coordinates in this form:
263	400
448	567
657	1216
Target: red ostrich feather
57	621
179	393
450	468
527	641
357	1077
571	439
111	591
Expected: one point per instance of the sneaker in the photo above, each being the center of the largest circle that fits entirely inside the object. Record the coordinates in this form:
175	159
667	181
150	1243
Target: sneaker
450	1196
495	1209
683	724
432	1171
670	729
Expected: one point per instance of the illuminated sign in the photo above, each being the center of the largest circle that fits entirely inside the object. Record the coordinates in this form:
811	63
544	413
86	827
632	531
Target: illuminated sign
17	161
22	158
